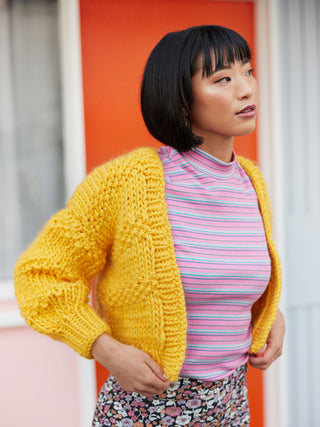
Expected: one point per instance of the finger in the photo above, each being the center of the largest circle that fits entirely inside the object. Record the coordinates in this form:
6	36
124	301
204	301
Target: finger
263	361
154	384
256	362
156	369
150	382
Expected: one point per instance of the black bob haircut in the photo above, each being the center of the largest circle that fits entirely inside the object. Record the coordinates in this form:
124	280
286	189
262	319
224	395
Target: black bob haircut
166	91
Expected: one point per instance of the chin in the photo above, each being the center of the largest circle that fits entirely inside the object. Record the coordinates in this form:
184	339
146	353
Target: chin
246	131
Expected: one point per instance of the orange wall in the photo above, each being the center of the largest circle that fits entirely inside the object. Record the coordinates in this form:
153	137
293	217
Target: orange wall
117	37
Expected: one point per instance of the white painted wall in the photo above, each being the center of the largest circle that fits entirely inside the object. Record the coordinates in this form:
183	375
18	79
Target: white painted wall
39	380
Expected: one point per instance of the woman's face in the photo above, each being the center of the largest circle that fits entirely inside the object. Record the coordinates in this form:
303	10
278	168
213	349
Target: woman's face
224	103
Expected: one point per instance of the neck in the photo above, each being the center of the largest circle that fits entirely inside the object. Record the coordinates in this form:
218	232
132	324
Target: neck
221	149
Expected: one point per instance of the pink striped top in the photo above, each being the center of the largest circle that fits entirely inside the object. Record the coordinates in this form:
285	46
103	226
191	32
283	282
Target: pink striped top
222	255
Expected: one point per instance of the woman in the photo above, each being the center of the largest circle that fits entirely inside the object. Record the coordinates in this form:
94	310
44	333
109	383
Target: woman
188	278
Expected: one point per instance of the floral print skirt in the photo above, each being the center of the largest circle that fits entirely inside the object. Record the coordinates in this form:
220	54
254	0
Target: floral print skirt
187	402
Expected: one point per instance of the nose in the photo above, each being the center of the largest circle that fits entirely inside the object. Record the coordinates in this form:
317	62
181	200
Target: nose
244	88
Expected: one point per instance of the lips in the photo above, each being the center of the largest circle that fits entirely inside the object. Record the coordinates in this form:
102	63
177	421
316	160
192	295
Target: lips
248	109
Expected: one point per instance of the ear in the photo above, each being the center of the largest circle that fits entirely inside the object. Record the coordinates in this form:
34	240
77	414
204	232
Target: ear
187	118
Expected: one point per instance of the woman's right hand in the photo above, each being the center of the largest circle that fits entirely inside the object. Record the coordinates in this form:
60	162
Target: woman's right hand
134	369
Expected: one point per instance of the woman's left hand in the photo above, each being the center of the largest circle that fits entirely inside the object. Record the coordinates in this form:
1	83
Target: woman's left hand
273	348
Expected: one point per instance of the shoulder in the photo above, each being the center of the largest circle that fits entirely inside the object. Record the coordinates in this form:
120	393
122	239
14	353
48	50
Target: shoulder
252	170
248	165
258	182
105	182
142	159
106	179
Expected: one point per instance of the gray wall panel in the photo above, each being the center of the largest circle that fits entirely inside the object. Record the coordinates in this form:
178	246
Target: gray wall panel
300	71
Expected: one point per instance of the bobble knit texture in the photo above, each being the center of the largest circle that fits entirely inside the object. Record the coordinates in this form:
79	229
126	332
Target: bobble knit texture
116	228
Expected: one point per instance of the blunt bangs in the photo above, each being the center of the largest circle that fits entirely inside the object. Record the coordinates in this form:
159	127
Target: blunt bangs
220	44
166	90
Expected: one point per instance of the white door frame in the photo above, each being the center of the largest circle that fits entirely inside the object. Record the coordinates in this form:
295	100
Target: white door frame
75	157
270	154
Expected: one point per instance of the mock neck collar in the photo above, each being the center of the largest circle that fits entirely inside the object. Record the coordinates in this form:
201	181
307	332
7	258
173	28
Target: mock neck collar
208	164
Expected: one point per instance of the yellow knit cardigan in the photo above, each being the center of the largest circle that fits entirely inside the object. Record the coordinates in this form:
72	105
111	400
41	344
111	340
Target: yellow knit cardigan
116	228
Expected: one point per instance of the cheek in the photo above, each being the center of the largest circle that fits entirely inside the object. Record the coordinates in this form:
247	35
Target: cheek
255	91
210	103
221	103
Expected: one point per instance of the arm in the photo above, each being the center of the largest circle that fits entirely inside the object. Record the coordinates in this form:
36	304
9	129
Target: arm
53	276
273	348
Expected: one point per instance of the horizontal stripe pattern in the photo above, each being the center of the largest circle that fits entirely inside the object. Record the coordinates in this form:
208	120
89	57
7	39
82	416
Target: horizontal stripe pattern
222	256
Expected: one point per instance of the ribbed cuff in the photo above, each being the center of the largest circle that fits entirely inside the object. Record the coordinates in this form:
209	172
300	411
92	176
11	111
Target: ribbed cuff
81	328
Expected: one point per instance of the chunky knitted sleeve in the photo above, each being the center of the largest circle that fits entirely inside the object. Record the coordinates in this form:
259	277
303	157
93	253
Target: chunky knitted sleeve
52	277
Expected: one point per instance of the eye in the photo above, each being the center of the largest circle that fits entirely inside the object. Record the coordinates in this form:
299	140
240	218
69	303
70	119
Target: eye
249	72
223	80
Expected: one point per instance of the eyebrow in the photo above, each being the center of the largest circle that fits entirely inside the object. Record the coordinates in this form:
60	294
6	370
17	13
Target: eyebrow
228	66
